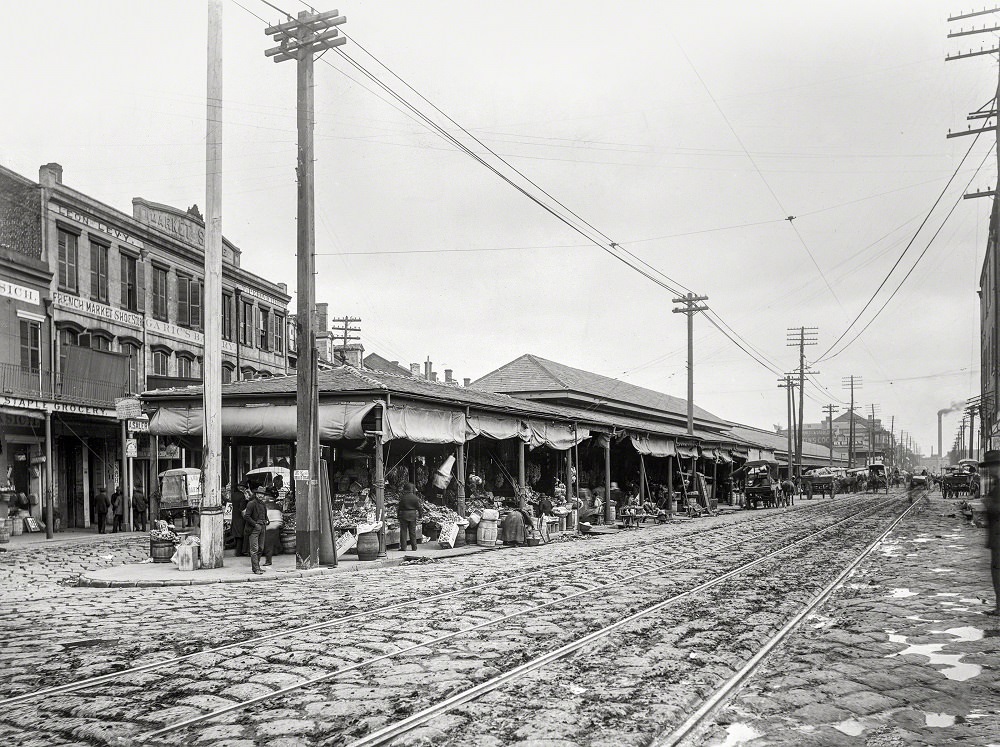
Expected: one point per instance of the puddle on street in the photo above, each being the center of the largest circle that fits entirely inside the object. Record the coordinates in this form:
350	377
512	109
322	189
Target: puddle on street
942	570
938	719
851	727
918	618
954	667
962	634
817	620
902	593
947	594
738	734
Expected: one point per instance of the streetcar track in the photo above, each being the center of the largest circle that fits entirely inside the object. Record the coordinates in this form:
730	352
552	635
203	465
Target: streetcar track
368	613
477	690
697	720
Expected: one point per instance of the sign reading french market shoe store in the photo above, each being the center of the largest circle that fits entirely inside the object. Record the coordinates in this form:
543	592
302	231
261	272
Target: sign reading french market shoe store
92	308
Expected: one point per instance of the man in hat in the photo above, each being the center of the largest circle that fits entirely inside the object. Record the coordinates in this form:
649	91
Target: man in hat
101	505
238	497
255	518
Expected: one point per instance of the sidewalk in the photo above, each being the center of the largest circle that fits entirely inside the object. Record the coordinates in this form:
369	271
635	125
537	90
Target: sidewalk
237	569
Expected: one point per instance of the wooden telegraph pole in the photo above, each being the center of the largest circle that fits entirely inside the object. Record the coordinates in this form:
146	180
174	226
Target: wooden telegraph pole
300	39
830	409
851	382
801	337
212	542
690	306
788	383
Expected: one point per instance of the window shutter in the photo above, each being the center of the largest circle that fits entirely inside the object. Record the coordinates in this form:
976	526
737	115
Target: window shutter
197	319
183	301
140	285
124	281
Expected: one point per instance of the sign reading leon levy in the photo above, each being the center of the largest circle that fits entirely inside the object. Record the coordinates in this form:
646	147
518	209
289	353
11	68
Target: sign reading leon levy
85	305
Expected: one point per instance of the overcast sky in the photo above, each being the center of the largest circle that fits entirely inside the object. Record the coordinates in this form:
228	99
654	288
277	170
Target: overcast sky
686	132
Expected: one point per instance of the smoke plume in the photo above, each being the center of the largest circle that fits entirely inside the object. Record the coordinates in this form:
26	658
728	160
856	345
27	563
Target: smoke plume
953	407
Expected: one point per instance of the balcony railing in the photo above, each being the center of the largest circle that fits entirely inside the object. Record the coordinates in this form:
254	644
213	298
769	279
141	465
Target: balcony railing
19	381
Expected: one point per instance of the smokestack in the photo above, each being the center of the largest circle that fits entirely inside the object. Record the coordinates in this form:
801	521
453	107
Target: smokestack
940	413
428	367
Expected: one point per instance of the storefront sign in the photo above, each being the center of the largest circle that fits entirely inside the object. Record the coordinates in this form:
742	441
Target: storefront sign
19	292
20	419
128	408
98	225
131	448
92	308
180	225
138	426
190	336
262	296
65	407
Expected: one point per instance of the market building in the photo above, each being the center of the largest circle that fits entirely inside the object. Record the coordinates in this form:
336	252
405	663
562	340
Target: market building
123	314
989	339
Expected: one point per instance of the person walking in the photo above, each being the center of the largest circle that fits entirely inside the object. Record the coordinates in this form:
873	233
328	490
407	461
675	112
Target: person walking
275	520
101	505
118	506
139	508
408	512
239	500
255	523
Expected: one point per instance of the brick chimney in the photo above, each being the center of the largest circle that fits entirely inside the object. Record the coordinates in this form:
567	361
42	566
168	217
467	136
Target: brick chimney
447	376
50	174
466	381
322	318
352	355
415	369
434	376
428	369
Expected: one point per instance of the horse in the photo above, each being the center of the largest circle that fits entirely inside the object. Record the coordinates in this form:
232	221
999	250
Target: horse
786	493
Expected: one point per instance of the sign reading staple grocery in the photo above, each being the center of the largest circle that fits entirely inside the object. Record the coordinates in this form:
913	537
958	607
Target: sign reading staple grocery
92	308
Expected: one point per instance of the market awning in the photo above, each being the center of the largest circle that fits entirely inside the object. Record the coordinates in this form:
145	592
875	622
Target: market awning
554	435
278	422
655	446
498	427
424	426
725	456
687	451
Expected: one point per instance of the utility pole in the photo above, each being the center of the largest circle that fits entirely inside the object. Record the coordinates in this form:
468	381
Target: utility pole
801	337
690	306
829	410
892	440
971	410
871	434
300	39
851	382
344	326
212	522
788	383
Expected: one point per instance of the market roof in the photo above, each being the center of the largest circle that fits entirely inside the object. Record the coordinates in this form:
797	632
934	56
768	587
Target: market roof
376	362
531	376
778	442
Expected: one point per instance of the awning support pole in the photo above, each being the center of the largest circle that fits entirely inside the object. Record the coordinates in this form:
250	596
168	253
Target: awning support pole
521	480
608	508
460	477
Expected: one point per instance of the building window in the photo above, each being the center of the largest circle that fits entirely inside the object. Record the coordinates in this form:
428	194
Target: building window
160	293
279	334
248	373
31	345
68	277
227	317
161	363
264	329
100	342
130	283
99	272
131	351
246	324
227	375
184	366
189	307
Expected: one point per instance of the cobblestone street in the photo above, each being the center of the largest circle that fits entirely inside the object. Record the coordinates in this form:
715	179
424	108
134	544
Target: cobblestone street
901	655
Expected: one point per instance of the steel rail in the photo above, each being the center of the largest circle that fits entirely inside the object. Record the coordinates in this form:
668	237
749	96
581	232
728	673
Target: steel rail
430	712
697	719
401	727
491	585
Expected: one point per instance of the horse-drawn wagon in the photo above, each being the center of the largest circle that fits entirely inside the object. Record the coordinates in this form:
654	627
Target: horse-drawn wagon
823	481
760	480
878	478
962	479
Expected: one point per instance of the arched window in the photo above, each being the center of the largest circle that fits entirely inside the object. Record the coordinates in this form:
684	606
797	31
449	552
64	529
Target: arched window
248	373
161	362
227	373
184	365
101	340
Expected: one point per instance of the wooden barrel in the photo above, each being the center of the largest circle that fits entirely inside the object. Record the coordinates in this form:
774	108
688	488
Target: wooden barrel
161	550
16	525
4	532
471	534
288	540
486	533
368	546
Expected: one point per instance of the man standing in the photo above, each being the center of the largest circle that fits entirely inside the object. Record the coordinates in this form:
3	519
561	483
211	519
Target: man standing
101	505
991	498
255	518
118	508
139	507
408	512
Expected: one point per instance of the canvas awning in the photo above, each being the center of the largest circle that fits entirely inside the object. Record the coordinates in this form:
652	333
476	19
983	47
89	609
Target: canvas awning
278	422
424	426
654	446
725	457
554	435
498	427
687	451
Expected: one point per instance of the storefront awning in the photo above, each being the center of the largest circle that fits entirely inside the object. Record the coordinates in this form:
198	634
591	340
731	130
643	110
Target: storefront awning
724	456
688	452
279	422
498	427
655	446
424	426
554	435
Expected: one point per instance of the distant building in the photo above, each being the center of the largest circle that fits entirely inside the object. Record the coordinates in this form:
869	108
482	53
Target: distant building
872	442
